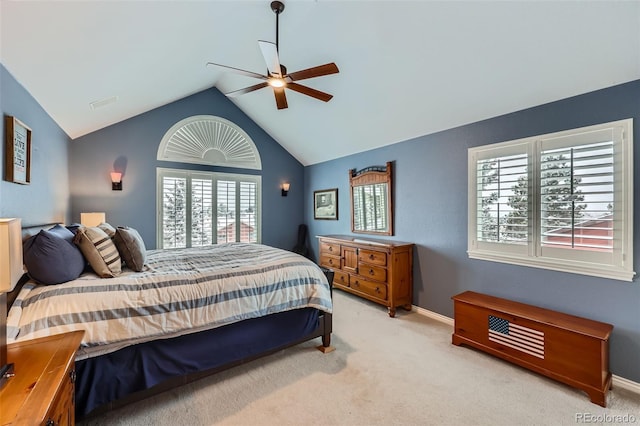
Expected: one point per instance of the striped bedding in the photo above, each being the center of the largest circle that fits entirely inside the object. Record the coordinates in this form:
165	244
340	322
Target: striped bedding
180	291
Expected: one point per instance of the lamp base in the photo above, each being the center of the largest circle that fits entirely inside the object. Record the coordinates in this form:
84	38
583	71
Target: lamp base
6	372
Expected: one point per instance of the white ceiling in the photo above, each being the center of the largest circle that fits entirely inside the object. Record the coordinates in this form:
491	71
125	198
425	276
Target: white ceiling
407	68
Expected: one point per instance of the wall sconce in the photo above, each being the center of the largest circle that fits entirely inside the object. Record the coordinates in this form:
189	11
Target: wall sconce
285	188
92	219
116	181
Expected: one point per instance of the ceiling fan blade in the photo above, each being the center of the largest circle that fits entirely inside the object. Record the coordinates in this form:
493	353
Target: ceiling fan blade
281	98
310	92
246	90
239	71
318	71
270	53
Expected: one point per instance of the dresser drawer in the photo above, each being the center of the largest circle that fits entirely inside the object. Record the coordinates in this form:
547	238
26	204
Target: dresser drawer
372	272
330	248
372	288
341	278
330	261
373	257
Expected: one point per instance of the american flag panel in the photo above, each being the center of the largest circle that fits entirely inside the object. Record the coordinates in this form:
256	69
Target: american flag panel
516	336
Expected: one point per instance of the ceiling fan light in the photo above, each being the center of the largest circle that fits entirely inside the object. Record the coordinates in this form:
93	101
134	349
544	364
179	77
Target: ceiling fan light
276	82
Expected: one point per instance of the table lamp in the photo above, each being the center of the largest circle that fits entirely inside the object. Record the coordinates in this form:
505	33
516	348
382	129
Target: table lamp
10	273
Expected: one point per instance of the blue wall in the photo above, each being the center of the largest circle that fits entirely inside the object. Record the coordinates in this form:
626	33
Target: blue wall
46	198
134	144
430	200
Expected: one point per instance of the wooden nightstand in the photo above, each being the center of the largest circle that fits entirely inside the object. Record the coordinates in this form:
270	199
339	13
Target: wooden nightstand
42	392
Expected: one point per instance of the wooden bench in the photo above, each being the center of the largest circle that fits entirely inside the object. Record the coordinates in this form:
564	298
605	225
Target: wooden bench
570	349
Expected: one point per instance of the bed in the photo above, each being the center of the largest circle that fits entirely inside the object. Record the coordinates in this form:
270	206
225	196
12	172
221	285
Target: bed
189	313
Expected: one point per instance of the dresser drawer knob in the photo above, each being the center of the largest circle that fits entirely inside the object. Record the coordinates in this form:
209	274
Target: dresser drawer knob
377	289
371	257
371	272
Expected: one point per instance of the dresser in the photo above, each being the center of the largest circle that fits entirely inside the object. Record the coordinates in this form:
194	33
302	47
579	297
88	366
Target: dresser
42	392
377	270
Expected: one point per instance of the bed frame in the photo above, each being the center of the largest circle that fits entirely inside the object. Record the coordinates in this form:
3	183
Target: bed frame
319	323
323	331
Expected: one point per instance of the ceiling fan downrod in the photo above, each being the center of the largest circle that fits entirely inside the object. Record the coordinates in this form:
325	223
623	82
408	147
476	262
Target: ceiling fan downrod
277	7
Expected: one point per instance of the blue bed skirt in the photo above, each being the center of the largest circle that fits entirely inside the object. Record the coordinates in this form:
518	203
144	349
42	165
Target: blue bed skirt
107	378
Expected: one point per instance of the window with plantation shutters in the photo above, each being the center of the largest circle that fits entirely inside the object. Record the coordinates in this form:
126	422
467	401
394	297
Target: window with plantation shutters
200	208
561	201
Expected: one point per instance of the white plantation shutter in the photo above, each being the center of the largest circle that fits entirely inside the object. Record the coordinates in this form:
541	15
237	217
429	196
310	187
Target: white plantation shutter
561	201
209	140
226	201
199	208
174	208
577	209
248	209
201	212
502	194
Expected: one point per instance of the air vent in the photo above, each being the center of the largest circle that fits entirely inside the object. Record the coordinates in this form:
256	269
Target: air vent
99	104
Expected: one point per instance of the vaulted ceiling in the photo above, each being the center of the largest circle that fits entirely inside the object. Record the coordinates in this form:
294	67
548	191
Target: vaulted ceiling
407	68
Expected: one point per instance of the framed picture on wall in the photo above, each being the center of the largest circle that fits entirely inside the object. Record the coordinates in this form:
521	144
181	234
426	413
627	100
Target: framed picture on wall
325	204
17	167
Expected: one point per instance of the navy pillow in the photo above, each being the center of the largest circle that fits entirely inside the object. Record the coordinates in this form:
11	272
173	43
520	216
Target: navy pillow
51	257
63	233
73	227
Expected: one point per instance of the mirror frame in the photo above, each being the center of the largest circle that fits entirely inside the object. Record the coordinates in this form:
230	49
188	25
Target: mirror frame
370	176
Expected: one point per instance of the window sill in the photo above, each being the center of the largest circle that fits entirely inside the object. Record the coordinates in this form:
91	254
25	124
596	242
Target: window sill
574	267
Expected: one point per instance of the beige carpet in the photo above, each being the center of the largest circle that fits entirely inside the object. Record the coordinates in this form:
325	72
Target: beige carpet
401	371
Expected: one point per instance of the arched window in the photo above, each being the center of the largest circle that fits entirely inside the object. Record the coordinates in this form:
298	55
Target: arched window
196	208
209	140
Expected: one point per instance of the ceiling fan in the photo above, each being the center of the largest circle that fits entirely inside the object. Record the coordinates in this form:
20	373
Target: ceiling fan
277	76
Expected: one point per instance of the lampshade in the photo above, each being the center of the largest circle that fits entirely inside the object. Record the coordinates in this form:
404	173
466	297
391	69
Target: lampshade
92	218
285	188
10	253
116	177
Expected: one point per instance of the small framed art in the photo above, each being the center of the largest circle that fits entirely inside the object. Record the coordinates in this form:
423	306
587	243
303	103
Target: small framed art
17	167
325	204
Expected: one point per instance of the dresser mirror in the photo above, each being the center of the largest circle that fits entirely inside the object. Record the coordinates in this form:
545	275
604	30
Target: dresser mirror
371	203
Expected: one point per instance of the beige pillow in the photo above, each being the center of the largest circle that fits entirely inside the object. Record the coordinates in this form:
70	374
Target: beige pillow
131	247
99	250
110	230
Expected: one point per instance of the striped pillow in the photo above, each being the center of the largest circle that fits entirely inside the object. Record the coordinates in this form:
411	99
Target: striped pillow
99	250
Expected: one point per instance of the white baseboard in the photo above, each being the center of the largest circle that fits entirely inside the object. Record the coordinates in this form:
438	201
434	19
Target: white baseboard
617	381
622	383
433	315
